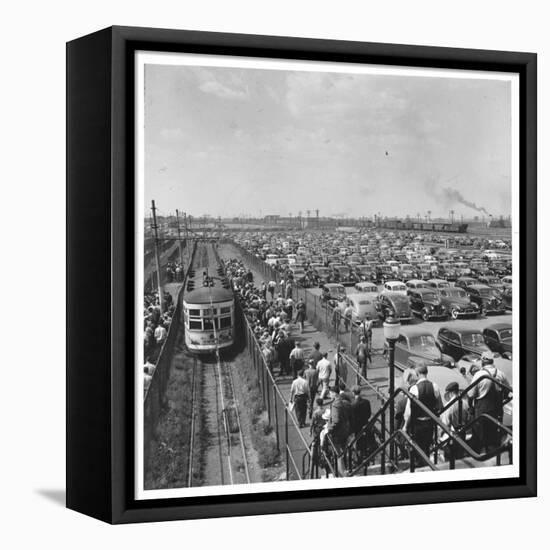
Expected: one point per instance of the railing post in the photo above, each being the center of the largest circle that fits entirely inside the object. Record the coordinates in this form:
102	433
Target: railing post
267	395
276	423
383	454
452	455
286	443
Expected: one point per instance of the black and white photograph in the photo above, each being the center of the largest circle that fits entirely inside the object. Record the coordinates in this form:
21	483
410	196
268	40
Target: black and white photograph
327	281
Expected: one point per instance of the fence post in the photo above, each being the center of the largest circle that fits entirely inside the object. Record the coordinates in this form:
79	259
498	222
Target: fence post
286	442
276	423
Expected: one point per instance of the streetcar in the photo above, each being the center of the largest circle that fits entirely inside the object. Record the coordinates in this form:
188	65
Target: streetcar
209	317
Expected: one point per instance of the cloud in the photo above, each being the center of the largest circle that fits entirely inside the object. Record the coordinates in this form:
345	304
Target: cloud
221	90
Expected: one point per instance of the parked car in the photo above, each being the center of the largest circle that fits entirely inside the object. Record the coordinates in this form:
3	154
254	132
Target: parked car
464	282
333	293
458	342
506	297
394	304
488	299
438	283
507	281
366	287
366	272
499	338
417	283
363	305
491	281
457	303
384	273
426	303
419	342
396	286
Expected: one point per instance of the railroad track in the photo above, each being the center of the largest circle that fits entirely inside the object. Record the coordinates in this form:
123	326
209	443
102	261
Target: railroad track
222	453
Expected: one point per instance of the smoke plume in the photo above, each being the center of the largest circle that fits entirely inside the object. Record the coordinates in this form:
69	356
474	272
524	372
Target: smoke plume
448	196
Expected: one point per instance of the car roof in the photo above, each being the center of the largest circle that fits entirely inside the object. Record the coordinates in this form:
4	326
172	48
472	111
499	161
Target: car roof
357	296
415	331
478	286
424	290
461	330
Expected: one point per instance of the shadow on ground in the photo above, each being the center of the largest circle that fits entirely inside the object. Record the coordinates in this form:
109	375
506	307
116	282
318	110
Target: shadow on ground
57	496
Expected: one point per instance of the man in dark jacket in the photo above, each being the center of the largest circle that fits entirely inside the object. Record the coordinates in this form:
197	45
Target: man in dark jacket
360	416
339	427
417	421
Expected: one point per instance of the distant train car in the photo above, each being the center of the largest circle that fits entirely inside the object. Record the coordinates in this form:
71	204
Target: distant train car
209	316
409	225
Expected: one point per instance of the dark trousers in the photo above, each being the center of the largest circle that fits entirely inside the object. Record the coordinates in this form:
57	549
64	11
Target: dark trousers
423	433
300	408
484	432
362	364
312	396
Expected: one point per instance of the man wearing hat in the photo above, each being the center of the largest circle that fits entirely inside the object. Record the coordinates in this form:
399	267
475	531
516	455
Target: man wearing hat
487	399
453	417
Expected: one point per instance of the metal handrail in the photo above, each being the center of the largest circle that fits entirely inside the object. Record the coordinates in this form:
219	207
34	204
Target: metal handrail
488	454
473	454
464	392
408	439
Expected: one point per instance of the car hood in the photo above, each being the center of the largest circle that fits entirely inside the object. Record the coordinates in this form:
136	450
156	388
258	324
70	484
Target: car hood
435	356
455	301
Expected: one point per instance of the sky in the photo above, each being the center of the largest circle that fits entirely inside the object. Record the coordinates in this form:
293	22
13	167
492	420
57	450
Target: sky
233	141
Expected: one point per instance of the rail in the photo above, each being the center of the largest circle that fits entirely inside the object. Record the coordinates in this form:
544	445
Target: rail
289	437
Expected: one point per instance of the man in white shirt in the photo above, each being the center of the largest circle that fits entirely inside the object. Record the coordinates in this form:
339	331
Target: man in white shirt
324	369
296	359
487	397
299	391
160	334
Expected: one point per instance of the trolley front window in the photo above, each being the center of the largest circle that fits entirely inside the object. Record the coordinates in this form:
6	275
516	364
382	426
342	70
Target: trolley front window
195	324
208	324
225	322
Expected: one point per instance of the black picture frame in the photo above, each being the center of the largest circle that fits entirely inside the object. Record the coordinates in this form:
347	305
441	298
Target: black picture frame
100	280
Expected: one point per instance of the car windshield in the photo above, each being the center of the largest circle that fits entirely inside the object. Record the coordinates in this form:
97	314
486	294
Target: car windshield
506	334
430	296
400	299
454	293
397	288
424	341
364	302
486	292
472	339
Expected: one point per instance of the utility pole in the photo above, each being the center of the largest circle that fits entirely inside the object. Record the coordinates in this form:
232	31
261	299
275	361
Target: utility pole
179	236
157	257
186	236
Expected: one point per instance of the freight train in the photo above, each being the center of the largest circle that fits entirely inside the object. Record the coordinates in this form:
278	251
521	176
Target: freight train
410	225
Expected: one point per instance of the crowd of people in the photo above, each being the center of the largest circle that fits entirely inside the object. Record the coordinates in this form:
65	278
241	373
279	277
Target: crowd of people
331	408
174	272
155	330
484	401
